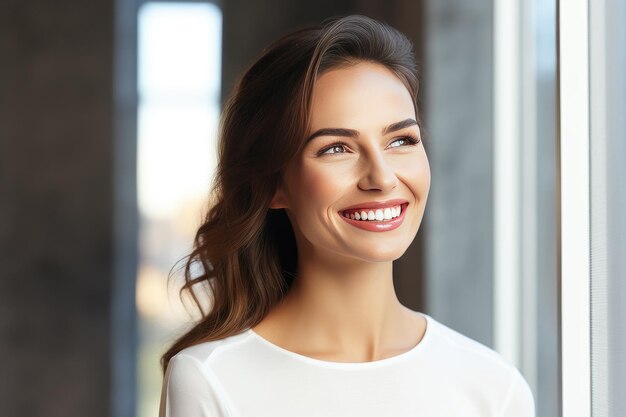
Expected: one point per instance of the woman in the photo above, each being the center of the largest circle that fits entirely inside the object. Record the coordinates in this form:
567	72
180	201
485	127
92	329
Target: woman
322	182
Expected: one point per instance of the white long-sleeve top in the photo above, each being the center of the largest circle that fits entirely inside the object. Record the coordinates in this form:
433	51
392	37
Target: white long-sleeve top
446	374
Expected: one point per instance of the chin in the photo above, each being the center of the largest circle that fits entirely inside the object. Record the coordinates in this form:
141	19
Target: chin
381	254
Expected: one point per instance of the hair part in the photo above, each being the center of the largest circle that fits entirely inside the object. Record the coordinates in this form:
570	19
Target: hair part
245	251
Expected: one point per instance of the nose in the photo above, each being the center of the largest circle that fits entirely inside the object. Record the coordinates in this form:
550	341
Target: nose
378	175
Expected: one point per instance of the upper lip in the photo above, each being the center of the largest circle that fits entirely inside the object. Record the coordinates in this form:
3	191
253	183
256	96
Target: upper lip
377	204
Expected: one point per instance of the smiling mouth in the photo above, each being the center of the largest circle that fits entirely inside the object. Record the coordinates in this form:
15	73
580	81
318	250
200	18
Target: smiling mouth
384	218
383	214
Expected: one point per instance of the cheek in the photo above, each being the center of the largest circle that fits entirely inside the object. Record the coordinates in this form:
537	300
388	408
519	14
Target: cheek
321	185
416	174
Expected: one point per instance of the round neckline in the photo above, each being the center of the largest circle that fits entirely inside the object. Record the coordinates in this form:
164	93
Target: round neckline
353	365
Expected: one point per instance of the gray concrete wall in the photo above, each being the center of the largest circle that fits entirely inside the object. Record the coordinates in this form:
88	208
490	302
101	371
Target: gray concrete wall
124	337
56	199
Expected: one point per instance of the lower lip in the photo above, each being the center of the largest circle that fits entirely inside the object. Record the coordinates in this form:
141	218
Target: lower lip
378	226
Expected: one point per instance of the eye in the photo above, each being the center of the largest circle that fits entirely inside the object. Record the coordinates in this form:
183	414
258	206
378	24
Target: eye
335	148
404	141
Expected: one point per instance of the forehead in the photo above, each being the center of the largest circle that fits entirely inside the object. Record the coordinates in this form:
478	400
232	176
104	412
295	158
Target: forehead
360	96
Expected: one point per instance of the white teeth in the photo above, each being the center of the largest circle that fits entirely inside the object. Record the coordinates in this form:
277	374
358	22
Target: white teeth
387	213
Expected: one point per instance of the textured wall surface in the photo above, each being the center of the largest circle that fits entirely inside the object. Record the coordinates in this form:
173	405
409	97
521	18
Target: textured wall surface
458	103
55	207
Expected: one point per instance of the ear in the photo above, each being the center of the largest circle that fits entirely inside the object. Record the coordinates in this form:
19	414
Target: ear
279	200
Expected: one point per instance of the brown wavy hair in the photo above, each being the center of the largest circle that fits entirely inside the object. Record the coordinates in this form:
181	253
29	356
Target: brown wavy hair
244	258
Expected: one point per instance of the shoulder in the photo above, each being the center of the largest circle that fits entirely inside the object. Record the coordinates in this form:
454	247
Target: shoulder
482	369
206	358
190	386
458	347
519	400
205	352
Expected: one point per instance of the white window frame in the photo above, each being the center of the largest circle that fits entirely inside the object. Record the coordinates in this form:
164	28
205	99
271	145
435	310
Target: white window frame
574	170
514	284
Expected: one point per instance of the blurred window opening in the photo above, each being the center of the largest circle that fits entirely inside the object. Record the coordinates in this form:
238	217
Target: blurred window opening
179	73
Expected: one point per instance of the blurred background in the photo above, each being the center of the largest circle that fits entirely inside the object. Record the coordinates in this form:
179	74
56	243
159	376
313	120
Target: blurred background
108	117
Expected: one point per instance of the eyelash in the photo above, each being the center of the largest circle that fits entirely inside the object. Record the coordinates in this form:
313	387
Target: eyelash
410	139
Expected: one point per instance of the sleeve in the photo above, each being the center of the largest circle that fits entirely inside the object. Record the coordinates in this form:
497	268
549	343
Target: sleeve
188	392
519	401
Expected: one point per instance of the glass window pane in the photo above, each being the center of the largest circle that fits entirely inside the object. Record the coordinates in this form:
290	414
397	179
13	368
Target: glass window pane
179	83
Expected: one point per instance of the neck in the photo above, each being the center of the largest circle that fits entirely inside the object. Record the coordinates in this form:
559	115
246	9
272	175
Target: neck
346	307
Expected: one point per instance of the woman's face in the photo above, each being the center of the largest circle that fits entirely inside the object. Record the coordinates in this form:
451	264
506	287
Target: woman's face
364	155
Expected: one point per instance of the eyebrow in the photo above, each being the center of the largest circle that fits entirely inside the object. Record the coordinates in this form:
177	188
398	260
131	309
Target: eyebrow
335	131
